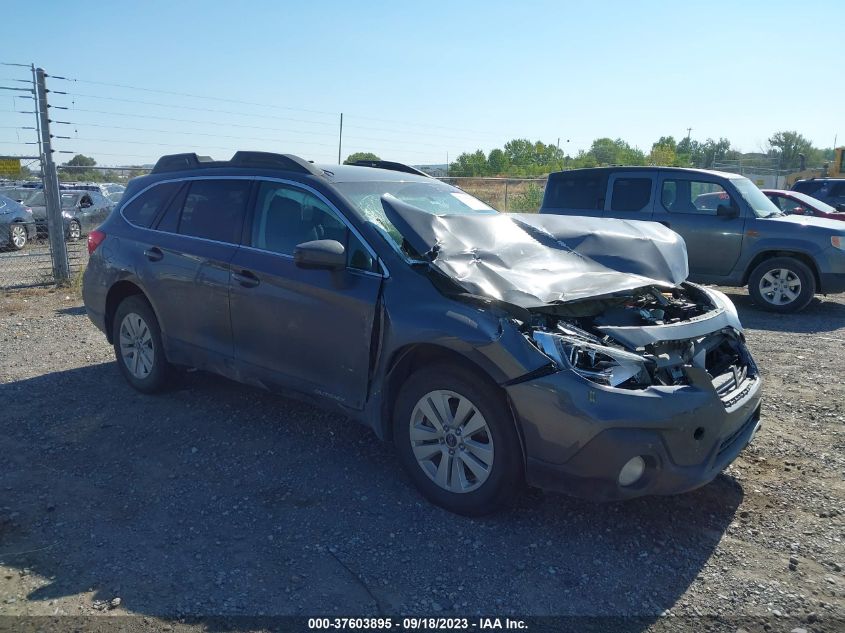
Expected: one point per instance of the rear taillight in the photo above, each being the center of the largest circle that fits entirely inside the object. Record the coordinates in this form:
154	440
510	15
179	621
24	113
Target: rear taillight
95	238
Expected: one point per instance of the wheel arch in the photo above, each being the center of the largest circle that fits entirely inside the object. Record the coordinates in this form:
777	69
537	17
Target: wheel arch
804	258
410	358
117	293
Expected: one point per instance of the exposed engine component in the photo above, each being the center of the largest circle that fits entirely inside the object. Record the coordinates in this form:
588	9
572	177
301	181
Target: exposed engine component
580	344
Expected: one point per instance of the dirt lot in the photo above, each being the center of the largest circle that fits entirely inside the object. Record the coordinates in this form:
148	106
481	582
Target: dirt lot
217	499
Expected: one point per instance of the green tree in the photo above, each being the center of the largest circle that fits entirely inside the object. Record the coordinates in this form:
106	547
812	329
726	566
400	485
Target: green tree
663	152
607	151
355	157
498	163
466	164
80	160
787	146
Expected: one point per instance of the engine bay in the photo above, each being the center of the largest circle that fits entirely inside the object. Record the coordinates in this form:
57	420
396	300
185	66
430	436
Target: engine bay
599	348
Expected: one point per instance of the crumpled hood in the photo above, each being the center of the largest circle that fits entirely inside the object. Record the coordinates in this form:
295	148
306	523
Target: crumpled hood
533	260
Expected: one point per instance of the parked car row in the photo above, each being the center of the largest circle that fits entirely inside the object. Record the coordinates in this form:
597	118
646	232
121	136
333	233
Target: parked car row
82	211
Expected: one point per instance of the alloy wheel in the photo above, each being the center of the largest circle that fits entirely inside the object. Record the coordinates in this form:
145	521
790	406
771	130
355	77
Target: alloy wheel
136	345
780	286
451	441
18	235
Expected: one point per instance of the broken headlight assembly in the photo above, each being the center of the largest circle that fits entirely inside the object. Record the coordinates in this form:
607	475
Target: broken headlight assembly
597	363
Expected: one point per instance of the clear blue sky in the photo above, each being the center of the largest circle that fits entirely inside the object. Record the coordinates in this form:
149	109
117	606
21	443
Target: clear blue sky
418	80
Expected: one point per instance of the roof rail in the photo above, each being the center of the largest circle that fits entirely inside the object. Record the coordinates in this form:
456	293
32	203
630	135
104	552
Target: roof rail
255	160
387	164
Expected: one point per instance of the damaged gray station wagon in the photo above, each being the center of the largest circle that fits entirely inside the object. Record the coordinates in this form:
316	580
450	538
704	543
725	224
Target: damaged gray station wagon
493	349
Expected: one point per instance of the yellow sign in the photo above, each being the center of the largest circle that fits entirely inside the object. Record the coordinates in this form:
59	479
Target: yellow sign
10	167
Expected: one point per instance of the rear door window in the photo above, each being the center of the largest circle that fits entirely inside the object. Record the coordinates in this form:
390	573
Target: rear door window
214	210
630	194
143	209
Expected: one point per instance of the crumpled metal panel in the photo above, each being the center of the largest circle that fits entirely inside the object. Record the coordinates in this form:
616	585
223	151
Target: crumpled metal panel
533	260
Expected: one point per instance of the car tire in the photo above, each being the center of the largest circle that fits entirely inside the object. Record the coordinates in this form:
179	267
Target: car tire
473	468
782	284
18	236
74	231
138	347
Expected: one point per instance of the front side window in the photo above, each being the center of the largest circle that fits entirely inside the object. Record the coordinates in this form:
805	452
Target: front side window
630	194
214	210
286	216
694	197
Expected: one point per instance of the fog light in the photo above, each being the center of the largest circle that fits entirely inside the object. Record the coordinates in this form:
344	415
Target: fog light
632	471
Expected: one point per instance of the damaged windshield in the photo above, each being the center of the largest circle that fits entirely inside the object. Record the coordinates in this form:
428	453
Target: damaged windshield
433	197
756	199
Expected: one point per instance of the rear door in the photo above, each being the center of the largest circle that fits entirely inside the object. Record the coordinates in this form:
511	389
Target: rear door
688	204
630	195
310	330
186	268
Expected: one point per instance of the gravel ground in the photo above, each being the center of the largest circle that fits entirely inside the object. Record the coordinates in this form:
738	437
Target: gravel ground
218	499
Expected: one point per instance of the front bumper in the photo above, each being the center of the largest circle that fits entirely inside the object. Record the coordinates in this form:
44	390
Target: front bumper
831	265
578	435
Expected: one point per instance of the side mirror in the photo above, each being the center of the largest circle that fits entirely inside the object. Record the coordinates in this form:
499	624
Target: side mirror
726	211
327	254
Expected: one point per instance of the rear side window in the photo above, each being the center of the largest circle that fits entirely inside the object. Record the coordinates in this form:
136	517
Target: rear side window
214	210
143	209
631	194
584	192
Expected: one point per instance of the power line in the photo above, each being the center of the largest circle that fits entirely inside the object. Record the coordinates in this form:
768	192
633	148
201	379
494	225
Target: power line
331	124
253	138
254	103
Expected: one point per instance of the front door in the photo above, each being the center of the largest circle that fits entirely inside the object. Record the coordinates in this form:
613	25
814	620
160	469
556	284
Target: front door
689	205
306	329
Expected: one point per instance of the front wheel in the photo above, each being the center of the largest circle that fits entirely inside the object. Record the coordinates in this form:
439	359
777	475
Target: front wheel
782	284
137	345
17	236
457	441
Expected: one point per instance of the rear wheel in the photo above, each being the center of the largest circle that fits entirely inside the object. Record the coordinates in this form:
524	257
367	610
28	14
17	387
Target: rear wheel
17	236
137	345
782	284
457	441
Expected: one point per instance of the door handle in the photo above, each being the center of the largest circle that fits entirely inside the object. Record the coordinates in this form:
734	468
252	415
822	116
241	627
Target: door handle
246	279
154	254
